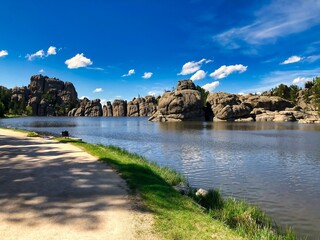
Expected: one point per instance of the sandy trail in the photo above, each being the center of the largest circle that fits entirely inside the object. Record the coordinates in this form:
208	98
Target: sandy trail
51	190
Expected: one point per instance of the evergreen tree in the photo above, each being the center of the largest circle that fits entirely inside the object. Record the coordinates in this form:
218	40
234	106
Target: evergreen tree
2	108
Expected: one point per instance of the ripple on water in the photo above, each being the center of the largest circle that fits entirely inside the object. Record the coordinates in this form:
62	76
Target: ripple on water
273	165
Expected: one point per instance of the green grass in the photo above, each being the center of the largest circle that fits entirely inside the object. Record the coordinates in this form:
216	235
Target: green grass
181	217
176	216
33	134
248	220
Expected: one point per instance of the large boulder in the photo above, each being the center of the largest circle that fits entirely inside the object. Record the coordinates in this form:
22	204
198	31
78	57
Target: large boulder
228	107
185	103
119	108
133	107
148	106
271	103
107	110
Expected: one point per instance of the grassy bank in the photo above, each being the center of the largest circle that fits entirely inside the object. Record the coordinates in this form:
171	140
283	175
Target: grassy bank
181	217
176	216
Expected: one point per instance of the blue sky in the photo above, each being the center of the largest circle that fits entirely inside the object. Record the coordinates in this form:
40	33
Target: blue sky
122	49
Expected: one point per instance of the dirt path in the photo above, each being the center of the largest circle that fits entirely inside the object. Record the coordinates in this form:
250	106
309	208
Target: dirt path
51	190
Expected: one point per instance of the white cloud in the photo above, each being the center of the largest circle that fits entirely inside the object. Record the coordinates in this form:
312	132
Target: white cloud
38	54
275	78
41	53
78	61
97	90
130	72
51	51
278	19
41	71
147	75
82	97
200	74
96	68
208	61
3	53
155	92
292	59
104	102
191	67
312	58
224	70
211	86
301	80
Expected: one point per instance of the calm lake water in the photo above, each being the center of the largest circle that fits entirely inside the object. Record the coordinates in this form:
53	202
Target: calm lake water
273	165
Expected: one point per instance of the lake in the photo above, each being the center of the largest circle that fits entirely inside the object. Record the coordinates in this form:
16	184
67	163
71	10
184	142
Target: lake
273	165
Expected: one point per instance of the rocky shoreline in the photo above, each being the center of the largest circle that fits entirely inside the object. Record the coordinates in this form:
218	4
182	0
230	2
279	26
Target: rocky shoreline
186	103
46	96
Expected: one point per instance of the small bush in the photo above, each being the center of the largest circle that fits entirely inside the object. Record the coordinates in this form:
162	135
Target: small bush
33	134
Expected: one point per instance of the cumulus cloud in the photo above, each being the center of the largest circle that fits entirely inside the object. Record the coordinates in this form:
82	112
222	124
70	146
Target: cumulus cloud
225	71
147	75
191	67
130	72
41	53
155	93
41	71
51	51
78	61
300	80
211	86
200	74
3	53
97	90
83	97
38	54
292	59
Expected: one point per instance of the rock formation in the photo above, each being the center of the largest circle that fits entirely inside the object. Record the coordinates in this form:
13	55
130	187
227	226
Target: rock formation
107	110
45	96
87	108
119	108
184	103
260	108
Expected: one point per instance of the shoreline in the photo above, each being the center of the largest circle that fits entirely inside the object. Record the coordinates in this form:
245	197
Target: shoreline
51	190
101	151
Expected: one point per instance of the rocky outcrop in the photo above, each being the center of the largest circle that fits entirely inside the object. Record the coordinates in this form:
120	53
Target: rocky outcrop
271	103
260	108
119	108
305	100
142	107
227	106
20	95
184	103
133	107
107	110
87	108
50	96
148	106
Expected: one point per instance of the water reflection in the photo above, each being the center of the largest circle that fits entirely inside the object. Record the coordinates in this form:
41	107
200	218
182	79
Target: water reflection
273	165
